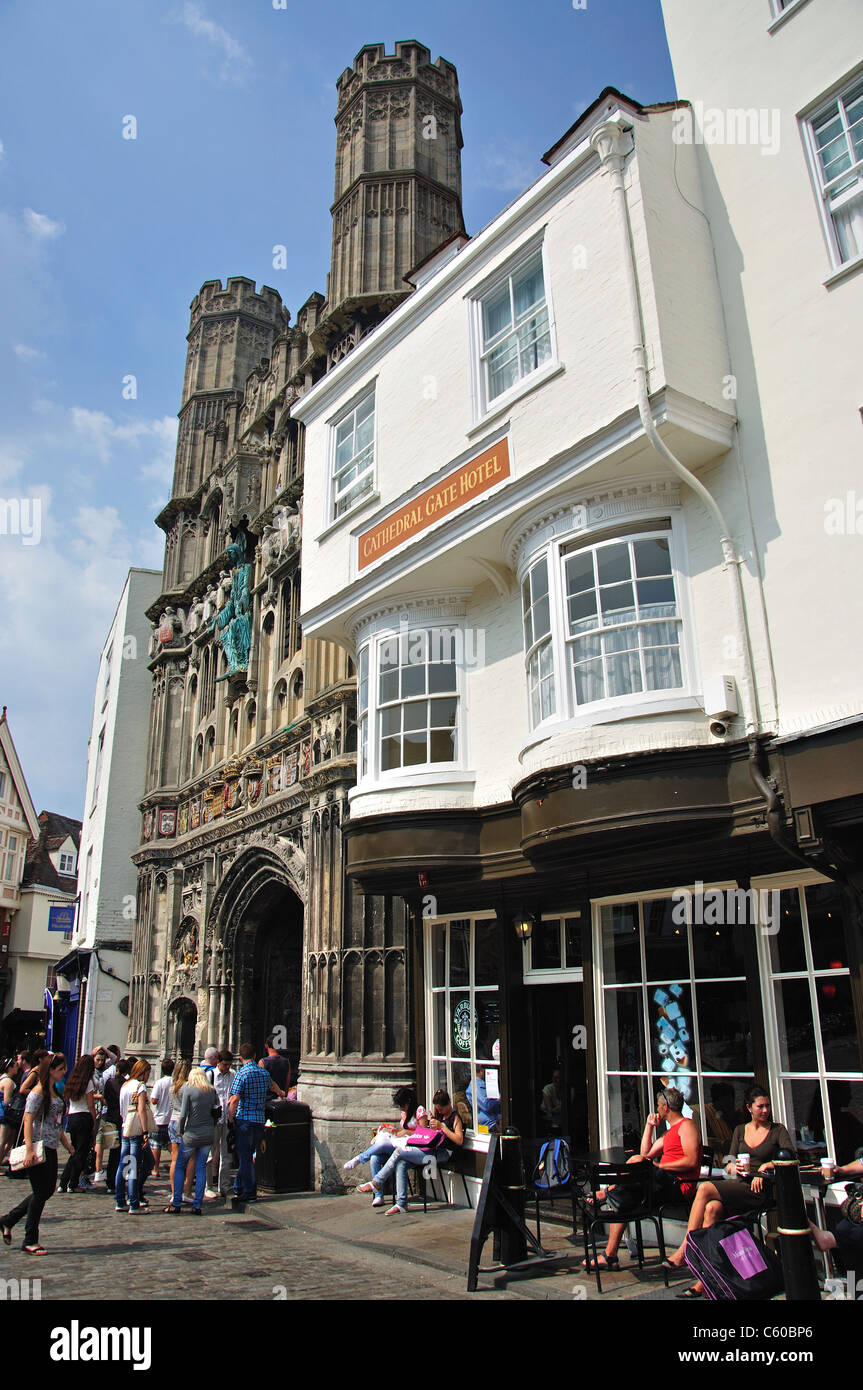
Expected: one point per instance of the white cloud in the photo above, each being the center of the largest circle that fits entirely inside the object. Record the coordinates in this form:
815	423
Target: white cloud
59	598
2	150
237	61
40	226
106	439
27	354
505	170
10	465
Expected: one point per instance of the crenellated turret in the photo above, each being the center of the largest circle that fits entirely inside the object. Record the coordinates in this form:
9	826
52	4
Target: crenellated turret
398	175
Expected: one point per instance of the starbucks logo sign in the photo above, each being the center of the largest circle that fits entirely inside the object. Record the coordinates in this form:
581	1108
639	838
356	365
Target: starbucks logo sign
464	1025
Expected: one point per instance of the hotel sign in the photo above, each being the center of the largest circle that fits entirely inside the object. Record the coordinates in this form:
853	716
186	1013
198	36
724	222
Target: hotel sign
468	481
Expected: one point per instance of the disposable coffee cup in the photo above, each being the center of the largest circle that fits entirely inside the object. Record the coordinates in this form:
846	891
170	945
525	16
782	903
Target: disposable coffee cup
743	1164
828	1167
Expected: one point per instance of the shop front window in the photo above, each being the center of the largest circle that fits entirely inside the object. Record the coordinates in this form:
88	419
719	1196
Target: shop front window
812	1034
463	1017
673	1011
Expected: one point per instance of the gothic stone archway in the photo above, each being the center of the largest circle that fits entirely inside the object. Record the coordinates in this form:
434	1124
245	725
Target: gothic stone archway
182	1020
260	930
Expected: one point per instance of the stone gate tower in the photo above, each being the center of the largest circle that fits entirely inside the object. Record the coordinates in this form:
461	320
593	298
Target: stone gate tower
246	922
397	185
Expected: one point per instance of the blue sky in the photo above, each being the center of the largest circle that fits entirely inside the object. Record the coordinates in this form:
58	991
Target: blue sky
105	240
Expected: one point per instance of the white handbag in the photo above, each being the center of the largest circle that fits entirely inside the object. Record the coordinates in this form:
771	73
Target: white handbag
18	1155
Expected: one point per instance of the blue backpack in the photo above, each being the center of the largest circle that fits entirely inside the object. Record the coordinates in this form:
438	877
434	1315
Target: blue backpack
553	1167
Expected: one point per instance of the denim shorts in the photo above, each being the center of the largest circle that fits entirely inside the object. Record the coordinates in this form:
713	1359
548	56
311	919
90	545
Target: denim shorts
173	1133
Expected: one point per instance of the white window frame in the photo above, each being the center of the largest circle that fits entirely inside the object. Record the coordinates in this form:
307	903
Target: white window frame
473	1138
424	773
333	516
483	405
71	858
780	10
599	989
97	769
10	872
107	681
562	974
2	786
826	211
567	713
778	1075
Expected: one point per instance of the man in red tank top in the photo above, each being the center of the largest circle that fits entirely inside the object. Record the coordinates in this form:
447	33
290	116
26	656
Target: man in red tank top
677	1155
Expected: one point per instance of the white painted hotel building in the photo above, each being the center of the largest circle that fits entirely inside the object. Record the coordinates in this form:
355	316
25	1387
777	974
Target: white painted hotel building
542	513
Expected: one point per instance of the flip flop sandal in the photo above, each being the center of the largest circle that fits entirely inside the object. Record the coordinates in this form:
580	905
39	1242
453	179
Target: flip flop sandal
7	1234
601	1262
689	1293
34	1250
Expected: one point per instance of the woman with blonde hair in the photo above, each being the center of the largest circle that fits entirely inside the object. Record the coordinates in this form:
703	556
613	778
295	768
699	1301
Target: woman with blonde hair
198	1107
179	1077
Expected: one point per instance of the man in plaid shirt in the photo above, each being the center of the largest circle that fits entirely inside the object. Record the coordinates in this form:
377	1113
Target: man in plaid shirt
249	1093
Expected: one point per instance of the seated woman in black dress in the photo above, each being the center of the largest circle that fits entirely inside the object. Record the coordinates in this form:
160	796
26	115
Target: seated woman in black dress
762	1140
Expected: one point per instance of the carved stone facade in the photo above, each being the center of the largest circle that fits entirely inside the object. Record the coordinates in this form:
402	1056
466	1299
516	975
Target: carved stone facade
245	920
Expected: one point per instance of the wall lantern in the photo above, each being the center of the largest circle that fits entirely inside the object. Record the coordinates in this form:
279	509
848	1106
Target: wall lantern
524	926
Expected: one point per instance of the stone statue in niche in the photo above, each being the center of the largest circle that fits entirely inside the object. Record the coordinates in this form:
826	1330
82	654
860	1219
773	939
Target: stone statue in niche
233	620
280	536
208	605
223	591
186	952
328	733
196	614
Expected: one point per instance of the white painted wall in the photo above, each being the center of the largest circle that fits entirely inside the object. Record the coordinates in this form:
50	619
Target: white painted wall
574	438
794	340
420	358
111	817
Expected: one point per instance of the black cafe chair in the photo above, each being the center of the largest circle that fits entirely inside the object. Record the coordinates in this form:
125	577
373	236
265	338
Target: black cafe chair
674	1208
631	1203
568	1192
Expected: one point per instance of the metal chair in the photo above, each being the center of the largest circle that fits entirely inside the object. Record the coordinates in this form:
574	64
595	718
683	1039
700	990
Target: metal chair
568	1192
632	1180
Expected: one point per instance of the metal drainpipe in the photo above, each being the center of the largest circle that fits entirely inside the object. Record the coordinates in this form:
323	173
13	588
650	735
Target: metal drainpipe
608	140
775	825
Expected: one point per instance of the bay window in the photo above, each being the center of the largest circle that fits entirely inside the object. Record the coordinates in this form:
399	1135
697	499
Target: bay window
603	624
409	700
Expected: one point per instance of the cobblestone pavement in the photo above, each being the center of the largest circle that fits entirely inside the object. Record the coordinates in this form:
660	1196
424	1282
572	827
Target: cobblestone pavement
97	1253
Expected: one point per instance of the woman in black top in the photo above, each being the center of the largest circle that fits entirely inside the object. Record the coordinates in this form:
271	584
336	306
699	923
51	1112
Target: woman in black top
111	1116
762	1140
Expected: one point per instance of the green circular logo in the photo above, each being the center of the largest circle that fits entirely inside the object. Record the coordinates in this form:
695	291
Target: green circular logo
464	1025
